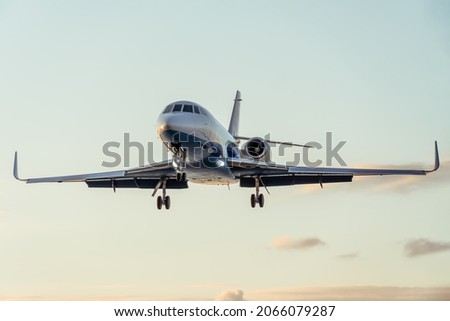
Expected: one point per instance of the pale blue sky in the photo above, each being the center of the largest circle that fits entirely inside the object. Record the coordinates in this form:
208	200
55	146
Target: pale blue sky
77	74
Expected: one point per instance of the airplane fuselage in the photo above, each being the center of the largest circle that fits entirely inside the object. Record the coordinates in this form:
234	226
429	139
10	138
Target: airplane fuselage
198	142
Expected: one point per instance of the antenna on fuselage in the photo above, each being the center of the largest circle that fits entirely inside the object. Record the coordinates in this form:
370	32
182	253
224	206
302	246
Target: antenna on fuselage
233	129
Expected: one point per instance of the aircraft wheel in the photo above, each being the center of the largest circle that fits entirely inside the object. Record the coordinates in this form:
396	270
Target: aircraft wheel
179	176
159	202
261	200
167	202
253	200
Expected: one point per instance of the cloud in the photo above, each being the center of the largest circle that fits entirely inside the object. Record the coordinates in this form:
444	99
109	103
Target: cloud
348	256
354	293
419	247
231	295
288	243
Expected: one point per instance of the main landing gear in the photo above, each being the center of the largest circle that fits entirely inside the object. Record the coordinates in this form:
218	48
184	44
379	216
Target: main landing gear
257	198
163	200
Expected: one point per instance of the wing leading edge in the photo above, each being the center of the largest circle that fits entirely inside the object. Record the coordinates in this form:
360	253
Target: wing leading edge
148	176
272	174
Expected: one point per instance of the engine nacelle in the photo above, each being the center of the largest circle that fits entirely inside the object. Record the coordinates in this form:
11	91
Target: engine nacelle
257	148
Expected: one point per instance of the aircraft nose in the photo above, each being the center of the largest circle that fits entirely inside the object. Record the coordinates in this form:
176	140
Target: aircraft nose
168	124
162	126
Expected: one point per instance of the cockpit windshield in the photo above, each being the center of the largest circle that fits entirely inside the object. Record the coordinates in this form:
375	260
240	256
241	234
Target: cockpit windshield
185	108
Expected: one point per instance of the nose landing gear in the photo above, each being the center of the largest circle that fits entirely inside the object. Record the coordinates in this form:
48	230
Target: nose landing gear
179	163
181	177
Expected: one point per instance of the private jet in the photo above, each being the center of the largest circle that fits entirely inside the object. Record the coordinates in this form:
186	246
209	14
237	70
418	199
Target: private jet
204	152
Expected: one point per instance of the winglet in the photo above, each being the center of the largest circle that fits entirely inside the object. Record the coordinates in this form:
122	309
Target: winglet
436	158
233	129
16	169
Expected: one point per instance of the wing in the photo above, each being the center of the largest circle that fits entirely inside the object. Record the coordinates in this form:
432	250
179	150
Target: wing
148	176
272	174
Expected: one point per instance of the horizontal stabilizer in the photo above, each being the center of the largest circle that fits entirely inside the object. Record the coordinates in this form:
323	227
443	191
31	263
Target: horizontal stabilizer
274	142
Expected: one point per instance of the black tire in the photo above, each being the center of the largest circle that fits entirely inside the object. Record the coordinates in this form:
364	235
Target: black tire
178	177
253	200
167	202
261	200
159	202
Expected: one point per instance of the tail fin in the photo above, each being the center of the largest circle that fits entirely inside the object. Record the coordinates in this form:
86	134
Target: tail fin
233	129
